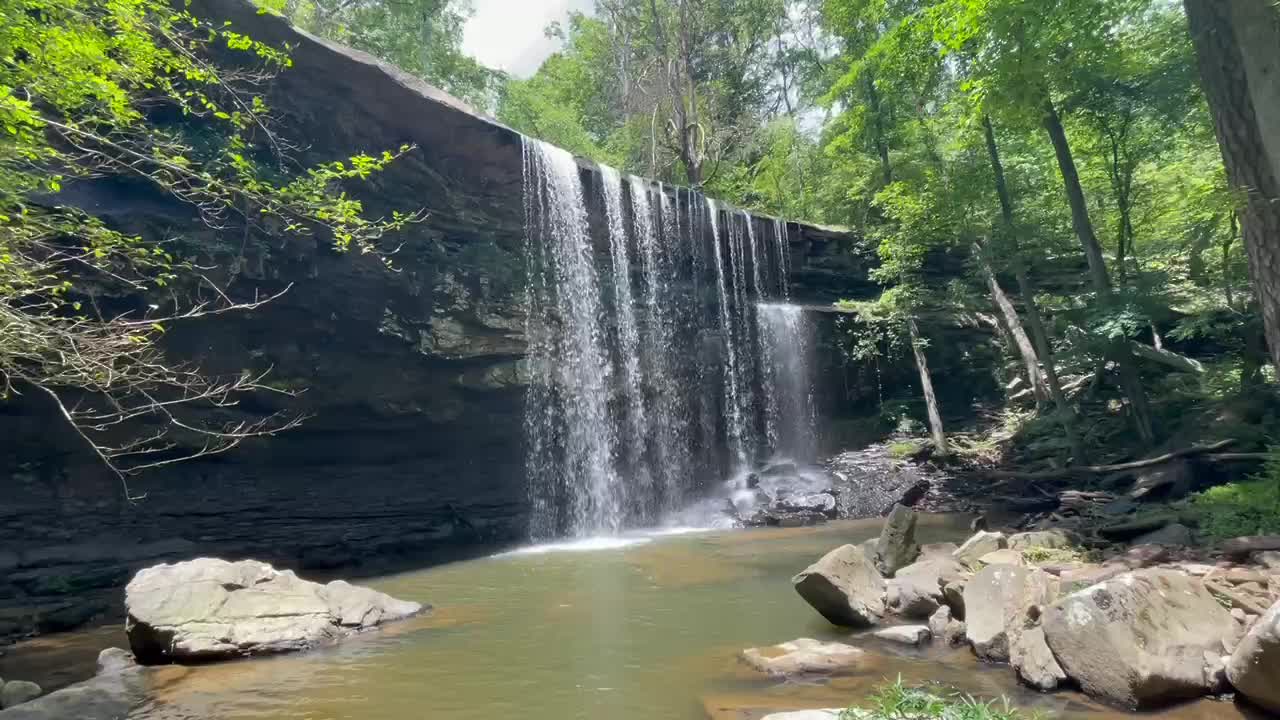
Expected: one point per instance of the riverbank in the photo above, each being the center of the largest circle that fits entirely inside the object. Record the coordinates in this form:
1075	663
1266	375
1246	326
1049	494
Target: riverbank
653	629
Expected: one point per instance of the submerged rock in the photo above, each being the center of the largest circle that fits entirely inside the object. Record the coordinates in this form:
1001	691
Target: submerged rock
1254	667
17	692
844	587
803	657
209	609
109	695
906	634
1139	639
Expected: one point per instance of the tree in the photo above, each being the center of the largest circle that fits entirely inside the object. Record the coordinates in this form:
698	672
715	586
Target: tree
421	37
131	89
1236	43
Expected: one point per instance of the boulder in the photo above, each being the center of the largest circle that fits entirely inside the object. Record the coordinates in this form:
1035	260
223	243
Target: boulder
844	587
897	546
998	601
1176	534
1242	547
1003	557
1046	539
916	590
803	657
1034	662
982	542
1169	481
953	595
209	609
1139	639
1254	667
954	634
939	620
17	692
905	634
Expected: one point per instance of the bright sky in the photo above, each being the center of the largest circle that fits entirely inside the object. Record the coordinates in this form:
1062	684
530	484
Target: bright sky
508	34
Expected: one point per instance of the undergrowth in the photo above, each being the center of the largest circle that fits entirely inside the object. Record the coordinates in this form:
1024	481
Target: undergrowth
896	701
1251	507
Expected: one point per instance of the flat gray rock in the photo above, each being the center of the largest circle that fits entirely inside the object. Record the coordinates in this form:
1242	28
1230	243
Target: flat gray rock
803	657
905	634
209	609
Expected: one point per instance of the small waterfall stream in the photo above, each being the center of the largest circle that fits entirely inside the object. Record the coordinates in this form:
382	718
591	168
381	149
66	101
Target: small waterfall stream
660	362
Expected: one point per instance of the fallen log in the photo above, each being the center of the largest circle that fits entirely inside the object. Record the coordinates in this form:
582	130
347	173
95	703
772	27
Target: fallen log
1168	358
1103	469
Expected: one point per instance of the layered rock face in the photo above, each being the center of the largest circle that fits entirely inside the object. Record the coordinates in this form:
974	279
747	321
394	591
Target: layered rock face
415	379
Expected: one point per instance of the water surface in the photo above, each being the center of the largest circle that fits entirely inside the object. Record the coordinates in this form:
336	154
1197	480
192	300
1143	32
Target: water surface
648	630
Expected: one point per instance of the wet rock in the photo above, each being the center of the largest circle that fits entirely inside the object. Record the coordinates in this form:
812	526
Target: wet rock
844	587
954	634
803	657
209	609
118	687
953	595
905	634
982	542
1139	639
17	692
1177	534
1254	666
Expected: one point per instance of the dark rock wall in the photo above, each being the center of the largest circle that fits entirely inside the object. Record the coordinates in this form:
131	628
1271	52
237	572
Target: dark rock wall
412	453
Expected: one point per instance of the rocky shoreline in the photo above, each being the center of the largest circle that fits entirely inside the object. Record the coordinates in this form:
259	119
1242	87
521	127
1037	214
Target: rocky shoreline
1139	629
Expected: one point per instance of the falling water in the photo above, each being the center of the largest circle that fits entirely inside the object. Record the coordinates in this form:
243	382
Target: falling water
785	348
648	359
570	430
628	333
782	243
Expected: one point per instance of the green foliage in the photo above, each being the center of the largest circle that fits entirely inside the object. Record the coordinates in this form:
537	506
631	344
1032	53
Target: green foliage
1251	507
128	89
896	701
421	37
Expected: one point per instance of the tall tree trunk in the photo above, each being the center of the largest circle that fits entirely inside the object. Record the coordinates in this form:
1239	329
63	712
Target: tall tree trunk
878	130
1083	225
1236	42
1021	343
940	446
1044	349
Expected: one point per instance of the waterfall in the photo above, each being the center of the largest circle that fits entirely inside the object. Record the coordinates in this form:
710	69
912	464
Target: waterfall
655	370
782	243
570	430
786	342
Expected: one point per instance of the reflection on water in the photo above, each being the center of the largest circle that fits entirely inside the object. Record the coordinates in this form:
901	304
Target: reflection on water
644	632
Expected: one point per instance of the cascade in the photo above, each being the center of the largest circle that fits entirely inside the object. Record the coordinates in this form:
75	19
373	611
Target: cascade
786	343
568	422
648	360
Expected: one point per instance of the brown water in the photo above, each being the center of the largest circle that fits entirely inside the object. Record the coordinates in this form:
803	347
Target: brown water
647	632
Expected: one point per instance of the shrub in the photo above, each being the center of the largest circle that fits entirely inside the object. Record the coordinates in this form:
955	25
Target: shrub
896	701
1251	507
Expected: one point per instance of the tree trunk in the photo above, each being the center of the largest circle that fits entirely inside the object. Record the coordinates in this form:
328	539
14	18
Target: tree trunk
1083	225
1021	343
878	131
1236	42
1043	347
941	448
1075	197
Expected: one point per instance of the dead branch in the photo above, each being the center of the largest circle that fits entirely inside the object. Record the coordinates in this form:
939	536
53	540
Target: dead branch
1105	469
